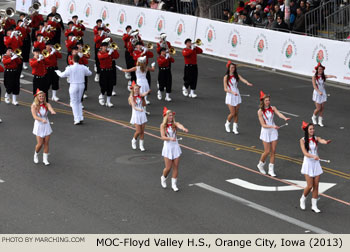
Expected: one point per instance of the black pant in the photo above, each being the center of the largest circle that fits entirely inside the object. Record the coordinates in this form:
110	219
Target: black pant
57	38
11	81
52	78
164	79
114	75
148	77
2	44
106	81
97	62
42	84
191	76
33	37
130	63
26	49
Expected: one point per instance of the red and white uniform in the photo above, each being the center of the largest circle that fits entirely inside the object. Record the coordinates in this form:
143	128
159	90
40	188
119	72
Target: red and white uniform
9	23
70	44
138	117
36	20
126	38
40	45
1	69
41	129
171	149
9	63
232	99
164	62
311	167
82	61
316	97
96	29
161	45
137	54
98	40
38	67
51	60
106	59
74	31
13	42
268	134
190	55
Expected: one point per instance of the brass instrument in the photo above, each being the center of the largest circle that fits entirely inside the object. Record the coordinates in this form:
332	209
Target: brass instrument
172	50
56	19
86	47
107	25
1	28
46	38
149	46
31	10
81	21
10	12
45	53
18	52
27	21
85	51
36	5
114	46
57	47
78	29
18	33
198	42
78	38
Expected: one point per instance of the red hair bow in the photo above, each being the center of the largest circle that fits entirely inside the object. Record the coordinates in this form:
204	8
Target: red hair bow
261	95
304	125
228	63
319	65
38	91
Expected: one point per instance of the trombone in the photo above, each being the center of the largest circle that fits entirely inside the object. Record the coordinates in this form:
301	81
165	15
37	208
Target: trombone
81	21
198	42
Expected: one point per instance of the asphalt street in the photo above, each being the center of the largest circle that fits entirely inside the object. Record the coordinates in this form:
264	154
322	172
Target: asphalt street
97	184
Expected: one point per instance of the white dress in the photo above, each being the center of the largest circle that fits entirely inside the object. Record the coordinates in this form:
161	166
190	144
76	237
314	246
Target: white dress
268	135
232	99
141	80
311	167
138	117
42	129
316	97
171	149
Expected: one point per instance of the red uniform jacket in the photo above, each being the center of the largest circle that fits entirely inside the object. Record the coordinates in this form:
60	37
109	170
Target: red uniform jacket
126	39
136	54
51	61
9	63
54	24
81	26
36	20
191	55
23	30
1	69
159	47
9	22
106	59
13	42
98	40
82	61
75	32
38	67
70	44
96	29
164	62
130	46
40	45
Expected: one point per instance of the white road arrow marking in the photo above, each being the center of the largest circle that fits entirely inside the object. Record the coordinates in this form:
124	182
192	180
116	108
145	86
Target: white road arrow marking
1	181
323	186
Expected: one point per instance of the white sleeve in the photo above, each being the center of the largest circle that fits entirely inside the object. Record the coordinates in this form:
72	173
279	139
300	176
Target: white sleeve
66	72
87	71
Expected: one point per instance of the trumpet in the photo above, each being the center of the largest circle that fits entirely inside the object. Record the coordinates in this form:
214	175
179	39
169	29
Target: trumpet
107	25
57	47
86	47
18	52
45	53
78	38
114	46
172	50
46	38
81	21
85	51
56	19
198	42
149	46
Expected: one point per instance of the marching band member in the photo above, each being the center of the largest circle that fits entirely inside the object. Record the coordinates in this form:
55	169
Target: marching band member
37	64
1	71
40	42
106	56
9	23
25	31
129	61
2	44
78	24
269	133
11	62
70	42
12	39
311	167
51	66
141	70
164	75
191	69
37	19
171	149
319	95
134	39
163	43
99	24
142	51
55	20
73	29
138	116
76	74
233	97
98	38
42	129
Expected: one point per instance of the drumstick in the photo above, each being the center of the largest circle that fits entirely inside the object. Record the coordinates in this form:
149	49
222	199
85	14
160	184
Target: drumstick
325	160
286	124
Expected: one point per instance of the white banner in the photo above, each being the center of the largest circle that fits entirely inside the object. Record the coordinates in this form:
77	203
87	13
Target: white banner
23	5
284	51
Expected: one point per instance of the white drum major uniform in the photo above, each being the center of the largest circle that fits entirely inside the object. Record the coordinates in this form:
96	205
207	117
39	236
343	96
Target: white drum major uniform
42	128
311	166
232	99
171	149
138	115
268	135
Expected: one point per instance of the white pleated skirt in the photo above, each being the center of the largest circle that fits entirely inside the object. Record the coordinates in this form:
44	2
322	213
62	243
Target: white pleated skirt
268	135
41	129
171	150
311	167
233	100
316	97
138	117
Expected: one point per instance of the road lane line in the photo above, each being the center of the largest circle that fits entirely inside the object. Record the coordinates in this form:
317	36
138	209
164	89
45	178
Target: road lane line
263	209
2	181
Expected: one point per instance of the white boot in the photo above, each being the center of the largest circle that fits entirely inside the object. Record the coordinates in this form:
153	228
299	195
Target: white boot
14	100
302	202
54	97
173	184
320	119
235	128
192	94
261	167
36	157
25	65
314	206
7	98
227	126
271	171
114	93
108	103
129	85
184	91
97	77
159	95
167	97
133	144
314	119
101	99
163	181
142	148
95	68
147	101
46	158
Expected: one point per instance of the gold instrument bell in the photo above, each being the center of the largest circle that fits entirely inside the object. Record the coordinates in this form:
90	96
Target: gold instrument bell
149	46
198	42
85	51
86	47
114	46
172	51
45	53
18	52
57	47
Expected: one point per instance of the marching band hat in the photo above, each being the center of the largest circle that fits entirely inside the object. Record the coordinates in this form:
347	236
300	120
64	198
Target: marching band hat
128	27
98	21
75	48
162	49
138	43
70	34
100	29
104	44
75	16
228	63
80	42
106	40
38	91
188	40
36	49
304	125
163	35
262	95
165	111
133	84
70	23
49	42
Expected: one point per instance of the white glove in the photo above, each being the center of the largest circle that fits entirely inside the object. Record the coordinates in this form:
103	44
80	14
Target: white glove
130	31
167	56
41	40
119	68
21	24
49	26
110	51
145	49
41	57
12	34
14	57
73	28
52	51
43	30
153	64
73	38
58	72
102	33
80	54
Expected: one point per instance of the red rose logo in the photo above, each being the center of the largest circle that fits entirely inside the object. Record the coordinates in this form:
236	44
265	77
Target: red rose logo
71	8
210	35
45	3
289	51
160	25
104	15
320	56
140	22
261	45
122	18
179	29
87	12
57	4
234	41
23	2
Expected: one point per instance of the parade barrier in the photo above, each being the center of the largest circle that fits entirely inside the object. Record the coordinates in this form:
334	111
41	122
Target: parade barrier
277	50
